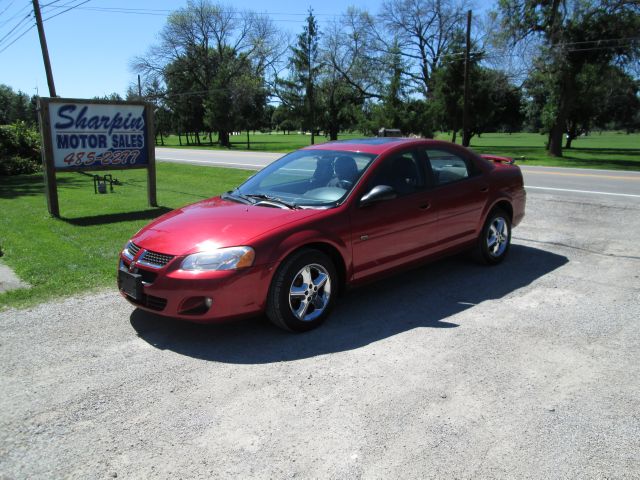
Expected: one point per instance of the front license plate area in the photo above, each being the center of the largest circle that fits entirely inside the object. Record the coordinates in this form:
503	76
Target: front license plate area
131	284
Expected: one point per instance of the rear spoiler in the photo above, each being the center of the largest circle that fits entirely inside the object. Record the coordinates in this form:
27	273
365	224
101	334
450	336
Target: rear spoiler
497	159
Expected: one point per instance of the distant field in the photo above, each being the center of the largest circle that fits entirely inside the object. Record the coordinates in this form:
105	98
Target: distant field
261	142
609	150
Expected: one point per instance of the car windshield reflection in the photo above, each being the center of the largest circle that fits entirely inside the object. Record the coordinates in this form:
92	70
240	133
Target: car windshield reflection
306	178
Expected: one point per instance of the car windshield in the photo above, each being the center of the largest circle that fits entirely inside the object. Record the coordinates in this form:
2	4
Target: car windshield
306	178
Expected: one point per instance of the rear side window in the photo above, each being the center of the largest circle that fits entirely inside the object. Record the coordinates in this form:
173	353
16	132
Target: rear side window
447	167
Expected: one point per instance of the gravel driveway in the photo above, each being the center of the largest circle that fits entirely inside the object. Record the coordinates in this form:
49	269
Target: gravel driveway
527	370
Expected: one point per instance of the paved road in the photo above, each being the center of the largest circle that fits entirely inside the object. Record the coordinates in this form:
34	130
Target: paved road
571	181
530	369
561	181
248	160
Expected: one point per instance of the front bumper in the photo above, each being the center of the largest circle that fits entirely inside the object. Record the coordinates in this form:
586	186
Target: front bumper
176	293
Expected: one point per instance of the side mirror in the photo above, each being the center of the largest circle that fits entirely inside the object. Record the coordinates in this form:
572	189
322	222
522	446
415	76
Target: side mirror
378	193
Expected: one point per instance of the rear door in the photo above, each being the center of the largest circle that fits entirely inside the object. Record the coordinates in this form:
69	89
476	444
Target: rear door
460	193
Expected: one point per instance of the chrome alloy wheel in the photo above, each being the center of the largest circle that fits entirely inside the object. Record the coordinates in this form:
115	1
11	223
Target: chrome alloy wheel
497	237
310	292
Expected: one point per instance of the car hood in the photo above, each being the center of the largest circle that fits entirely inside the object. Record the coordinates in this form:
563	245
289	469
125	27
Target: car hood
214	223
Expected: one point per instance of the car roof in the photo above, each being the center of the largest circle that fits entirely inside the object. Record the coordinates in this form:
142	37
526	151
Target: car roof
374	145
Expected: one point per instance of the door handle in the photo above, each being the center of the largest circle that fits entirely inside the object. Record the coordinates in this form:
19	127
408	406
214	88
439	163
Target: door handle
484	189
425	206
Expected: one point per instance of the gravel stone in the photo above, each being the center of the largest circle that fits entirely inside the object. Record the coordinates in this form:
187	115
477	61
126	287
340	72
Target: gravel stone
530	369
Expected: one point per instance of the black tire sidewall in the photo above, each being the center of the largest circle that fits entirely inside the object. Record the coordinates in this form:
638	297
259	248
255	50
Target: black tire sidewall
278	309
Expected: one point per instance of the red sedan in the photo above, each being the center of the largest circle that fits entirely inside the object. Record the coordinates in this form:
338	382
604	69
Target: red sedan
295	234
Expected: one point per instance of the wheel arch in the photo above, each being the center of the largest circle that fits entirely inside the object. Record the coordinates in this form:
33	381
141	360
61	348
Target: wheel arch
333	253
502	205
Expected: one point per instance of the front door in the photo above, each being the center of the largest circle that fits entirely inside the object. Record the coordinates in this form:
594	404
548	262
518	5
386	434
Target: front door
393	232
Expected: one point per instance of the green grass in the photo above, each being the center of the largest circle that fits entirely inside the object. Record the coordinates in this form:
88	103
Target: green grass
78	253
608	150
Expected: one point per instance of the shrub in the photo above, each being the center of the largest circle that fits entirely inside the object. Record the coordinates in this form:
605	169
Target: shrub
19	149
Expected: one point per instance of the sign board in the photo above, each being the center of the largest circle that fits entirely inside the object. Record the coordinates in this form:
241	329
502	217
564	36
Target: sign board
80	135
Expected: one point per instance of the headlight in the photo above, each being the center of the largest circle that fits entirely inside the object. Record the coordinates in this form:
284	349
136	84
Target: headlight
230	258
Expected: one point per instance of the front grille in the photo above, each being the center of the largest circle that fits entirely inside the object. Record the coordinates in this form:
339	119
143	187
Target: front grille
133	249
154	258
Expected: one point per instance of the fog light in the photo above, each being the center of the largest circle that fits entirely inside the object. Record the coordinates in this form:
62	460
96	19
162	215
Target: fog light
195	305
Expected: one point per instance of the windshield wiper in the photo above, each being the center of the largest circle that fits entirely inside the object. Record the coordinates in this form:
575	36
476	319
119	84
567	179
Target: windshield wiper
269	198
236	197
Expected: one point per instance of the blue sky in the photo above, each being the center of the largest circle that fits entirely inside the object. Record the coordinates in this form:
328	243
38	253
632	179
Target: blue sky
91	49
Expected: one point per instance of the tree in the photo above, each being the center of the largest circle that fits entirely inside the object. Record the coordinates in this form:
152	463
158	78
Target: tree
236	99
185	98
340	104
352	48
16	107
573	34
283	119
299	92
201	47
620	108
494	104
425	30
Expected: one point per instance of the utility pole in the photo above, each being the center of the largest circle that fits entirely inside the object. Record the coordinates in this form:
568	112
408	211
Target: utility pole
45	50
466	137
50	185
139	88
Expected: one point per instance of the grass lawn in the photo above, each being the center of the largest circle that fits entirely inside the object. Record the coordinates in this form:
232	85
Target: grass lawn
60	257
608	150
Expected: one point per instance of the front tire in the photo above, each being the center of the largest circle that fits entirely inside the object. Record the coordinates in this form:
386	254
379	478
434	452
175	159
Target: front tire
302	291
495	238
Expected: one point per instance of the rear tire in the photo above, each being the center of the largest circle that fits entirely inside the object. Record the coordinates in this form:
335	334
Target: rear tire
495	238
302	291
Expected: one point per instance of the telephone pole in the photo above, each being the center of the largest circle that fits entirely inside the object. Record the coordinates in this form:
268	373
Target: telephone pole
466	140
45	50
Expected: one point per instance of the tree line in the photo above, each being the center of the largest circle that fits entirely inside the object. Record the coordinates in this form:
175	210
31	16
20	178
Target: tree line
558	68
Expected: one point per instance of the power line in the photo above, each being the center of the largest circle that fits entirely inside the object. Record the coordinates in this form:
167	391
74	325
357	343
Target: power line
29	15
15	27
8	7
237	13
17	14
19	37
50	3
65	11
167	11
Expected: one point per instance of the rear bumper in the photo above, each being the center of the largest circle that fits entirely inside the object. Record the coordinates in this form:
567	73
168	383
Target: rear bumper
519	202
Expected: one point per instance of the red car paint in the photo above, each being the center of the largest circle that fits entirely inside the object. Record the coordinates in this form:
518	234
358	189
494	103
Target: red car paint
364	242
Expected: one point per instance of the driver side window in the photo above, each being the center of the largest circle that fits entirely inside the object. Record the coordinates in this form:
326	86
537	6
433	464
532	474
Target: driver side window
401	172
